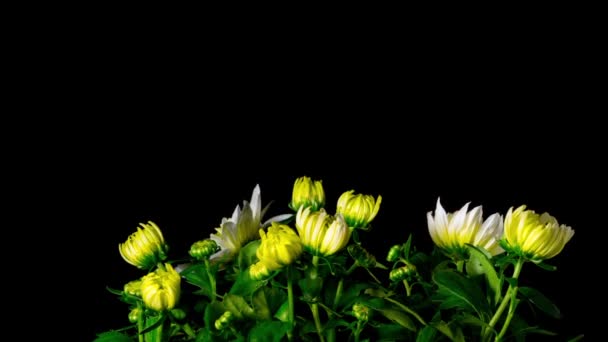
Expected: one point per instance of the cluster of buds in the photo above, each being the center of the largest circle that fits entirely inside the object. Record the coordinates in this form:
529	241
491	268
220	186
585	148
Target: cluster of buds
361	312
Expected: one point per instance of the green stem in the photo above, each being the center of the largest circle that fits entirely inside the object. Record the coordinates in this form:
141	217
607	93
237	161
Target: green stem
352	268
406	309
140	322
188	329
408	288
505	300
331	335
509	316
211	280
159	332
291	313
358	330
314	307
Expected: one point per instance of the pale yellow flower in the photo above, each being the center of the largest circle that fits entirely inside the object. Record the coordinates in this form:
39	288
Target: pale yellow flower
537	237
452	231
307	193
358	210
321	234
280	247
160	290
144	248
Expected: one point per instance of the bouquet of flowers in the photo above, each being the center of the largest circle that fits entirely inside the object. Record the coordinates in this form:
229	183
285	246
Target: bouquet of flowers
307	275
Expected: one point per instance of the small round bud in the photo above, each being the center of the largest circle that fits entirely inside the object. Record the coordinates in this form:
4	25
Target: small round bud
403	272
134	315
393	253
224	321
361	312
203	249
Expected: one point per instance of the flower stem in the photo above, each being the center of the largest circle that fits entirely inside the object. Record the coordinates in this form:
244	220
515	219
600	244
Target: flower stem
211	280
408	288
331	334
159	332
140	322
291	313
511	292
314	307
352	268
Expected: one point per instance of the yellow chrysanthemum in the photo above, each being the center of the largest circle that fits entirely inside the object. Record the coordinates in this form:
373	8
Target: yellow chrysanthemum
279	247
160	289
307	193
452	231
144	248
321	234
358	210
536	237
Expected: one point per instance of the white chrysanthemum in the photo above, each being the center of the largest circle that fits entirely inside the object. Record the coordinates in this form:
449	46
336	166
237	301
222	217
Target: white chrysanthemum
452	231
242	227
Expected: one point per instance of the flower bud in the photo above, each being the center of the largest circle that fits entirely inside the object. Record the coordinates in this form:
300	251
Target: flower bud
403	272
393	253
361	312
307	194
358	210
144	248
224	321
361	256
178	314
133	288
160	289
279	247
322	234
134	315
202	250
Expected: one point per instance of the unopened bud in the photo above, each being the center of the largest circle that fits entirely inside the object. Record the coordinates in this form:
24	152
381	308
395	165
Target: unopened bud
403	272
224	321
362	256
361	312
393	253
203	249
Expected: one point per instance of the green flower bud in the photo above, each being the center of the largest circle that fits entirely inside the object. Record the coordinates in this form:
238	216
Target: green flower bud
393	253
178	314
361	312
361	256
307	193
133	288
398	274
134	315
160	290
202	250
224	321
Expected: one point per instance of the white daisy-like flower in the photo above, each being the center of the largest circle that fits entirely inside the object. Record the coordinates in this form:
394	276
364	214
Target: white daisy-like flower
452	231
242	227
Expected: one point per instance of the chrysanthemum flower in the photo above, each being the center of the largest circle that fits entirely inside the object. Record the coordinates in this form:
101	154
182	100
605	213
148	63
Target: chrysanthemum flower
321	234
144	248
279	247
358	210
536	237
160	289
242	227
307	193
452	231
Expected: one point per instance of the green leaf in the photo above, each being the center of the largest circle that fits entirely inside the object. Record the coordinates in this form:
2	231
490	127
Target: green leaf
479	263
112	336
426	334
260	305
268	331
311	287
399	317
407	246
244	285
461	288
247	256
576	338
238	306
390	332
453	334
197	275
282	314
540	301
546	267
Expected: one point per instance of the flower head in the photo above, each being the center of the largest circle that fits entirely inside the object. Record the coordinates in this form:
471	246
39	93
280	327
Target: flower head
452	231
144	248
133	288
536	237
242	227
321	234
307	193
160	289
279	247
358	210
201	250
